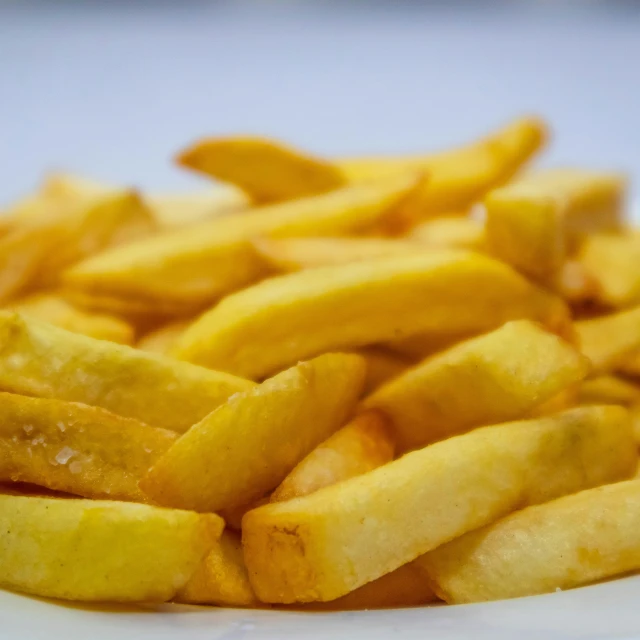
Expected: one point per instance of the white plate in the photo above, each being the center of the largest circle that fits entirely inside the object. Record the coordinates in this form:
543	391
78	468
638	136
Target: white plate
609	610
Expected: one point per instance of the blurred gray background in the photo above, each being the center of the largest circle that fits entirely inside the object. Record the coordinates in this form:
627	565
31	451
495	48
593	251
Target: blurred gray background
112	89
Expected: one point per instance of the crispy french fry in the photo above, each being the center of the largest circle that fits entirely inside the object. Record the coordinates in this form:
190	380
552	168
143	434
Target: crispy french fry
608	341
275	323
95	550
71	447
267	170
362	445
450	232
41	360
575	283
494	378
248	445
563	544
532	221
609	390
461	177
382	366
193	266
51	308
330	542
162	340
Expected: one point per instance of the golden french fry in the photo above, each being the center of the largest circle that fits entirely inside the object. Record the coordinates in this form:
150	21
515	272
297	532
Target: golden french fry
193	266
277	322
97	550
563	544
162	340
248	445
362	445
609	390
461	177
608	341
450	232
382	366
267	170
330	542
295	254
53	309
493	378
41	360
575	283
221	578
71	447
532	221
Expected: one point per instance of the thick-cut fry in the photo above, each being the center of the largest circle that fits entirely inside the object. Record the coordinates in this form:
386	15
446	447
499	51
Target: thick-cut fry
382	366
609	390
71	447
221	578
532	221
100	550
362	445
267	170
575	283
461	177
608	341
248	445
330	542
486	380
55	310
162	340
450	232
38	359
295	254
275	323
563	544
193	266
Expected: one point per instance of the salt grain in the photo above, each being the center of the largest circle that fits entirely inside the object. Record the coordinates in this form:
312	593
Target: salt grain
64	455
28	428
61	426
75	467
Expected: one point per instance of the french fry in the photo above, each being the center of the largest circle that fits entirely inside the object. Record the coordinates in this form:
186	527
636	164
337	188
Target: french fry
236	453
328	543
450	232
275	323
461	177
382	366
575	283
494	378
51	308
162	340
532	221
193	266
363	444
221	579
563	544
608	341
631	365
95	550
609	390
267	170
71	447
68	186
41	360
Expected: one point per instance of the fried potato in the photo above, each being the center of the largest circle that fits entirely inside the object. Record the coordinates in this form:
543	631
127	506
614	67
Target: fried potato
162	340
450	232
362	445
95	550
221	579
51	308
68	186
193	266
575	283
275	323
608	341
248	445
267	170
609	390
496	377
563	544
330	542
41	360
461	177
71	447
295	254
382	366
631	365
531	222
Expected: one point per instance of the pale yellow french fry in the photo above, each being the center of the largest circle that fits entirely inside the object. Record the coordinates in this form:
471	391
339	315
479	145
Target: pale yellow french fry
608	341
100	551
568	542
382	366
531	222
450	232
609	390
575	283
162	340
362	445
51	308
193	266
496	377
460	177
330	542
267	170
247	446
38	359
71	447
280	321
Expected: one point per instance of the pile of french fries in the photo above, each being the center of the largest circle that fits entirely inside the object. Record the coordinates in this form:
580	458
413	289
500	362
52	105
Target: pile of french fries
327	384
